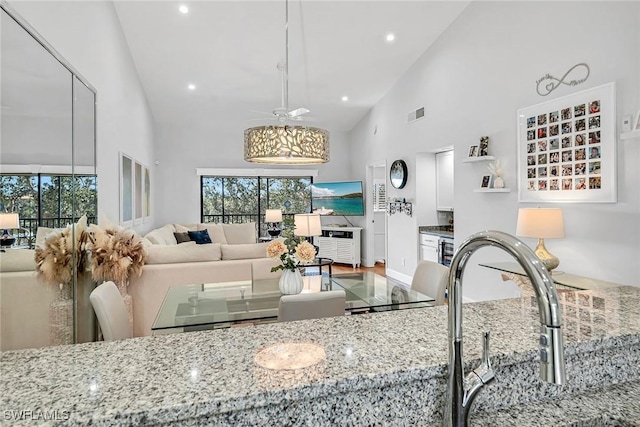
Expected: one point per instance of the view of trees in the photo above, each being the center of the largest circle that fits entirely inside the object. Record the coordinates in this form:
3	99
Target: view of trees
242	199
49	200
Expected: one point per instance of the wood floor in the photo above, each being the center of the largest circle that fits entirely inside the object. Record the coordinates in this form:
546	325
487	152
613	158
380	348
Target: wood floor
379	268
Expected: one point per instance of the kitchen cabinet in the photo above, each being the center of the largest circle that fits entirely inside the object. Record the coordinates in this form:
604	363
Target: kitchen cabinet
429	247
444	181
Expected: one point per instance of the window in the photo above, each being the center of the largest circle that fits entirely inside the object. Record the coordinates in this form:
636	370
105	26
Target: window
245	199
49	200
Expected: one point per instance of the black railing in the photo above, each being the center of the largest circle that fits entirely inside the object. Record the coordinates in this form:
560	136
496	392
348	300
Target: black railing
29	226
242	218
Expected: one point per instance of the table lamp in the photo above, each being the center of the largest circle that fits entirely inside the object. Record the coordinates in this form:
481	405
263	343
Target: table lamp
541	223
308	225
273	216
8	221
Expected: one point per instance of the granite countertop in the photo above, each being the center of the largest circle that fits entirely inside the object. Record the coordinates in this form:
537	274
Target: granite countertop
386	367
612	406
437	230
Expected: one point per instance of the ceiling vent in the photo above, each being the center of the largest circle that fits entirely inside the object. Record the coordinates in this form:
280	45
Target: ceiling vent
415	115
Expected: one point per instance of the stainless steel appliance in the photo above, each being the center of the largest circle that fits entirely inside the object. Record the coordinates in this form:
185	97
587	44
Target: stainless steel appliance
446	251
436	248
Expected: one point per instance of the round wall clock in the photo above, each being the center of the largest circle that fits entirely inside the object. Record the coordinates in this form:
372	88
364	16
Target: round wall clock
398	174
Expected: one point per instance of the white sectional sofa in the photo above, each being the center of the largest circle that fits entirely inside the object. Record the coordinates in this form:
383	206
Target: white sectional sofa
233	255
25	303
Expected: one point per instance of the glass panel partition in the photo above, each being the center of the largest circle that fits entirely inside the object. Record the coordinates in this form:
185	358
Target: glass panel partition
47	177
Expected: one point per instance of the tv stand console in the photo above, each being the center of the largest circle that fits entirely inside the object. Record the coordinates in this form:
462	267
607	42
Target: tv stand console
341	244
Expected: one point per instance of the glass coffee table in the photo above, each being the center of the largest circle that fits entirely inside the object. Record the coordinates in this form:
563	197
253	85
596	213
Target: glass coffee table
221	305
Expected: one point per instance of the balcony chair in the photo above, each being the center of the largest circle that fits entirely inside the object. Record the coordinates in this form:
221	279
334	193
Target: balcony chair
111	312
311	305
430	278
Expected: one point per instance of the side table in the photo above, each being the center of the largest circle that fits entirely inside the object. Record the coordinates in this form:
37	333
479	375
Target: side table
320	262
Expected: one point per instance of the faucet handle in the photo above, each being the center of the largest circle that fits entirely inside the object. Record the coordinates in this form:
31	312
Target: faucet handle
485	371
485	349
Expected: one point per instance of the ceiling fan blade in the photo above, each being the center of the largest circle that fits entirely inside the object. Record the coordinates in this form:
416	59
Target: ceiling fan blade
266	113
297	112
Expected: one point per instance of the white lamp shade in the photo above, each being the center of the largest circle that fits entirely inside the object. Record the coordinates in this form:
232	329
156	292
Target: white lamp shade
9	221
307	225
273	215
540	223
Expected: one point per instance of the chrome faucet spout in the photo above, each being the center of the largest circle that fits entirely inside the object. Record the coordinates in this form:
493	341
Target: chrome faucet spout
460	391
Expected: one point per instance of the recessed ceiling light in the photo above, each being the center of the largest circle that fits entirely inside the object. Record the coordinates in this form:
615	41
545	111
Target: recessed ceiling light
191	86
345	98
390	37
183	9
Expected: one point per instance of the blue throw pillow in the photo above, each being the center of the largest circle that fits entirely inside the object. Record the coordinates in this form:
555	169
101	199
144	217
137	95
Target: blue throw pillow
200	237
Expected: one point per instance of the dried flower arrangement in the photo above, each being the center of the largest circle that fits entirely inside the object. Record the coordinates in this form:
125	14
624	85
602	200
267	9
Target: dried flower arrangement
117	254
55	258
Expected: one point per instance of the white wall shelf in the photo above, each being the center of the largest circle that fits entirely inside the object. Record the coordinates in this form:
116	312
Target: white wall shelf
492	190
634	134
478	159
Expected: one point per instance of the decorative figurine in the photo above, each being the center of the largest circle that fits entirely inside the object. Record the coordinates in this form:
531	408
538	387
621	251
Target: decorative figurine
496	170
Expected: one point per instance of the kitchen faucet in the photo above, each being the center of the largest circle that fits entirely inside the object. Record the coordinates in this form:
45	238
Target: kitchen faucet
462	391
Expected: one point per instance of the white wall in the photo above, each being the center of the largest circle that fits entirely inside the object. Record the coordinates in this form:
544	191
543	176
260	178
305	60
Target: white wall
471	82
181	148
88	35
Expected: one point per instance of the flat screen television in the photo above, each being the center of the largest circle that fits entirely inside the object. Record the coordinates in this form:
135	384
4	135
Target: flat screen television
337	198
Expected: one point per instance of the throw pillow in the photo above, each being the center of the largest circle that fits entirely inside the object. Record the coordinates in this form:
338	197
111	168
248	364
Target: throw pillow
182	237
237	234
183	228
163	235
200	237
41	234
215	232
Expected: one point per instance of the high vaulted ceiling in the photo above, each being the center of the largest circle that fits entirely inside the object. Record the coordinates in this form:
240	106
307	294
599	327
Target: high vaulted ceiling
230	51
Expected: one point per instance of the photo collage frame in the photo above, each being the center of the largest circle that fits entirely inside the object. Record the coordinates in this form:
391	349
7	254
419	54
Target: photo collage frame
567	148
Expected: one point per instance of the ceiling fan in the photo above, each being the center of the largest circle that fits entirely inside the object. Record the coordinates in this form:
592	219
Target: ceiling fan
284	143
283	113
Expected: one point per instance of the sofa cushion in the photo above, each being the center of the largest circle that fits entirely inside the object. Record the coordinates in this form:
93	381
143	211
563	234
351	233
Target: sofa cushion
163	235
42	233
17	260
244	251
186	252
183	228
238	234
215	232
201	237
182	237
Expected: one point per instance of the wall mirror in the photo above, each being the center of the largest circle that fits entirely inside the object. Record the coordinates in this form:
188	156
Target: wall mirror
398	174
47	176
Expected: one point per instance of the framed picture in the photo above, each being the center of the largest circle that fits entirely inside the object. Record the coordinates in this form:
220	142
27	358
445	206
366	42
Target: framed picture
486	181
138	190
483	149
146	204
636	123
126	189
473	151
567	148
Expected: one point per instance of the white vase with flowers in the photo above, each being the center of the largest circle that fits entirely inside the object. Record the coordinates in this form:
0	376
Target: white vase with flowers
291	255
